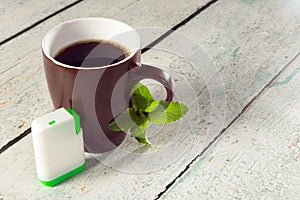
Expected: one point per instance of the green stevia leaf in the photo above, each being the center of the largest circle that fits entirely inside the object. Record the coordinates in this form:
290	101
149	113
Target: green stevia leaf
141	97
152	106
123	122
138	117
144	141
128	119
167	112
139	132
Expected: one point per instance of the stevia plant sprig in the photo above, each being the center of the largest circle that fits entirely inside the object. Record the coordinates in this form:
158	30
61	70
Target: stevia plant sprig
145	109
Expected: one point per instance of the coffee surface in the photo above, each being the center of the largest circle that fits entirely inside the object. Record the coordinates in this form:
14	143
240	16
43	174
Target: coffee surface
94	53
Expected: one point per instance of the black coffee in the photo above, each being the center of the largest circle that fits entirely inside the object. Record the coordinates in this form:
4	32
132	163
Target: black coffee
94	53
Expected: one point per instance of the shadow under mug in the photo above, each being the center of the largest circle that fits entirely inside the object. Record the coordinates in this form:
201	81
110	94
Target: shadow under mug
98	94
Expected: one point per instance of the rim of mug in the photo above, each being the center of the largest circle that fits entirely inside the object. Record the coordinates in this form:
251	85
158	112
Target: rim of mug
47	54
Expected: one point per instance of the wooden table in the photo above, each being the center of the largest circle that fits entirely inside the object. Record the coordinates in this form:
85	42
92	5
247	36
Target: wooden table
252	152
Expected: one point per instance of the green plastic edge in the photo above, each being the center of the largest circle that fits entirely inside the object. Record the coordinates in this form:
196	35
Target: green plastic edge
63	177
76	119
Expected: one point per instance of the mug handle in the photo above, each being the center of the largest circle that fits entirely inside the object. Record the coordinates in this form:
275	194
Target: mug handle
146	71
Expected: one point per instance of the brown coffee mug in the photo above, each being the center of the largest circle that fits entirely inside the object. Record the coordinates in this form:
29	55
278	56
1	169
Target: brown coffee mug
98	94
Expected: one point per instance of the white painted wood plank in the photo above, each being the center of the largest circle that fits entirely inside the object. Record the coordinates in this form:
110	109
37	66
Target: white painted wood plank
259	156
147	185
250	41
16	15
22	81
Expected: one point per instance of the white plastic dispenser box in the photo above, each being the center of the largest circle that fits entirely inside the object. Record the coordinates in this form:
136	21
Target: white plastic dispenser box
58	146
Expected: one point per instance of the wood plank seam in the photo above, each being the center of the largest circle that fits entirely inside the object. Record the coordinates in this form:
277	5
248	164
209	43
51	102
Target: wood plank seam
269	84
15	140
39	22
145	49
180	24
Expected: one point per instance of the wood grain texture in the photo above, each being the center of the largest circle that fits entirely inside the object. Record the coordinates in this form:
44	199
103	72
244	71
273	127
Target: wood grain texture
219	36
259	156
17	15
250	42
